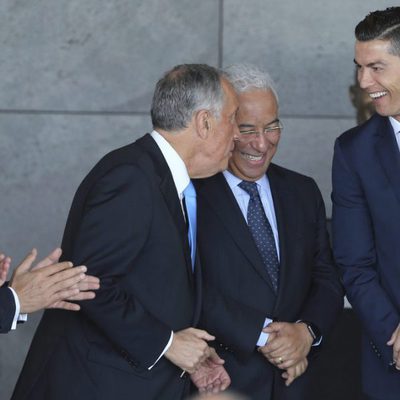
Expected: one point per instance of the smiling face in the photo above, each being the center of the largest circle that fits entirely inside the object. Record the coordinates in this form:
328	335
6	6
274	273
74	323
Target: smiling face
258	109
379	75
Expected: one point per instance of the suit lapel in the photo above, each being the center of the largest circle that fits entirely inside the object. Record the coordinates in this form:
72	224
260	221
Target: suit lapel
388	154
218	195
287	221
168	190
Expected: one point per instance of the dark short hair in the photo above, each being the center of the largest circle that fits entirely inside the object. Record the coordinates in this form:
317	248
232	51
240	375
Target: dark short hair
183	90
381	25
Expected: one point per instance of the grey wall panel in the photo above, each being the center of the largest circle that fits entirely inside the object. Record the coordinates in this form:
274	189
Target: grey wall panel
306	46
306	146
43	159
98	54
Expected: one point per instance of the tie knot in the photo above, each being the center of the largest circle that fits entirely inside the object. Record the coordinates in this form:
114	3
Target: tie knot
190	191
249	187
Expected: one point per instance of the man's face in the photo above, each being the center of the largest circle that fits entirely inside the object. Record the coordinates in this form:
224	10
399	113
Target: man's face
220	143
379	75
258	111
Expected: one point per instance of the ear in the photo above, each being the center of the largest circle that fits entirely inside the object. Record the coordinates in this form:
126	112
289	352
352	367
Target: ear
203	123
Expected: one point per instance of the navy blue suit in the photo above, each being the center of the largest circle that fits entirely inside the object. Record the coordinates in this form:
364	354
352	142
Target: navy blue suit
366	232
7	309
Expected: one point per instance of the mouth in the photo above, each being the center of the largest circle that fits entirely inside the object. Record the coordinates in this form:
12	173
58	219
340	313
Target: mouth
377	95
251	157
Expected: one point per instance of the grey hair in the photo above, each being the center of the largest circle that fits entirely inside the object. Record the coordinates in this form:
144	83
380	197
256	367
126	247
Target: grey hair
245	77
184	90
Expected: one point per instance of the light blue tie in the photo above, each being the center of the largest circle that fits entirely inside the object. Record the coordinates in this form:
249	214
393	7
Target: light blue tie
191	209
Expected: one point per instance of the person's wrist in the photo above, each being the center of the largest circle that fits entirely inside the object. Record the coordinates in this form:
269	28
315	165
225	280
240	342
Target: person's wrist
313	331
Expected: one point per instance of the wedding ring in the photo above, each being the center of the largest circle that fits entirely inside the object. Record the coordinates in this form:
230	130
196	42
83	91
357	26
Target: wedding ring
280	360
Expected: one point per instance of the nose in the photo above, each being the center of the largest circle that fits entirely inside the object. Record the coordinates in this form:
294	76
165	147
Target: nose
364	78
260	142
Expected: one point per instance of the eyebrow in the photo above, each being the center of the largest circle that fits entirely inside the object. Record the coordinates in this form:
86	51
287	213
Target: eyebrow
372	64
252	126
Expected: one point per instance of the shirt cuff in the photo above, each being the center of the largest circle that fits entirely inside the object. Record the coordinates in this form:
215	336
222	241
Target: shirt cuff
17	315
262	339
164	351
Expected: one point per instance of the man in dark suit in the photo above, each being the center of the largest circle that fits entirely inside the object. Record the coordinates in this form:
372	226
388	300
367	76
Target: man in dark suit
127	224
49	284
366	205
265	255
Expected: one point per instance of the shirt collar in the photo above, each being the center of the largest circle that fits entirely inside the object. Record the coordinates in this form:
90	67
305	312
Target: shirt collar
175	163
234	181
395	125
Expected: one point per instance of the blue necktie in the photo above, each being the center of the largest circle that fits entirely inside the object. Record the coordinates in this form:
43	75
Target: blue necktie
261	231
191	215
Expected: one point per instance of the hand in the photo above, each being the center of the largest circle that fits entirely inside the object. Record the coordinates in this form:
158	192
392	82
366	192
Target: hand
395	342
4	267
295	371
287	344
46	283
189	349
211	376
85	286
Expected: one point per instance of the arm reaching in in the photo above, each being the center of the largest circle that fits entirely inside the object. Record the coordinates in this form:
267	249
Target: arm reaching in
4	268
211	376
49	283
189	349
288	344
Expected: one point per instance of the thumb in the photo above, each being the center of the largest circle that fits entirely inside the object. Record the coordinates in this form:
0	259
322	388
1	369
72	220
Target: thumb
392	339
26	263
273	327
215	358
201	334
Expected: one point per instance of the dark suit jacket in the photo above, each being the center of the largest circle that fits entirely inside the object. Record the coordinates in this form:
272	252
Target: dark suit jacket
366	227
126	225
237	291
7	309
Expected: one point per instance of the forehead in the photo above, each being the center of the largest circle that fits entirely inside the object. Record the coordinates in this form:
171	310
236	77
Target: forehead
258	104
230	98
372	51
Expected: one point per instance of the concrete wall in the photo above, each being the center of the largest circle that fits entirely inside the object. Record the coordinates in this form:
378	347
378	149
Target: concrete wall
77	78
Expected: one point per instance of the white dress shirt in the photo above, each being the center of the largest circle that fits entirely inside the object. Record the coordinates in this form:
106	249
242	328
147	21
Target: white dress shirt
181	180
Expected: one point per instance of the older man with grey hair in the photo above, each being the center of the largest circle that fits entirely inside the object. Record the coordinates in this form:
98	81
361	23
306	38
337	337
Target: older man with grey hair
271	290
133	224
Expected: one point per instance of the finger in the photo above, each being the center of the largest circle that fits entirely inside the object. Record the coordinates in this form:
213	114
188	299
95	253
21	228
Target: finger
91	279
26	263
201	334
52	258
86	284
82	296
53	273
64	280
392	338
273	327
65	305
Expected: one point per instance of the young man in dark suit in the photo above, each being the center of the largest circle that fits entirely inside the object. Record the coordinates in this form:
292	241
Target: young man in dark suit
366	205
271	290
137	339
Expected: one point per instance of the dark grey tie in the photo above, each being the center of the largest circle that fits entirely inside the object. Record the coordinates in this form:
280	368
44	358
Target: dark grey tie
261	231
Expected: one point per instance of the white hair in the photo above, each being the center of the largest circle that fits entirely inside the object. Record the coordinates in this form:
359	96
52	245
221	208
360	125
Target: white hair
245	77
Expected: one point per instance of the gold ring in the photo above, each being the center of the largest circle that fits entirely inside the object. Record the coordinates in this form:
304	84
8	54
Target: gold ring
280	360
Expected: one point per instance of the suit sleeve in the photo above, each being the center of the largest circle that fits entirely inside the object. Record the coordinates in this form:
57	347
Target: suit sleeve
355	254
325	298
112	233
7	309
241	326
